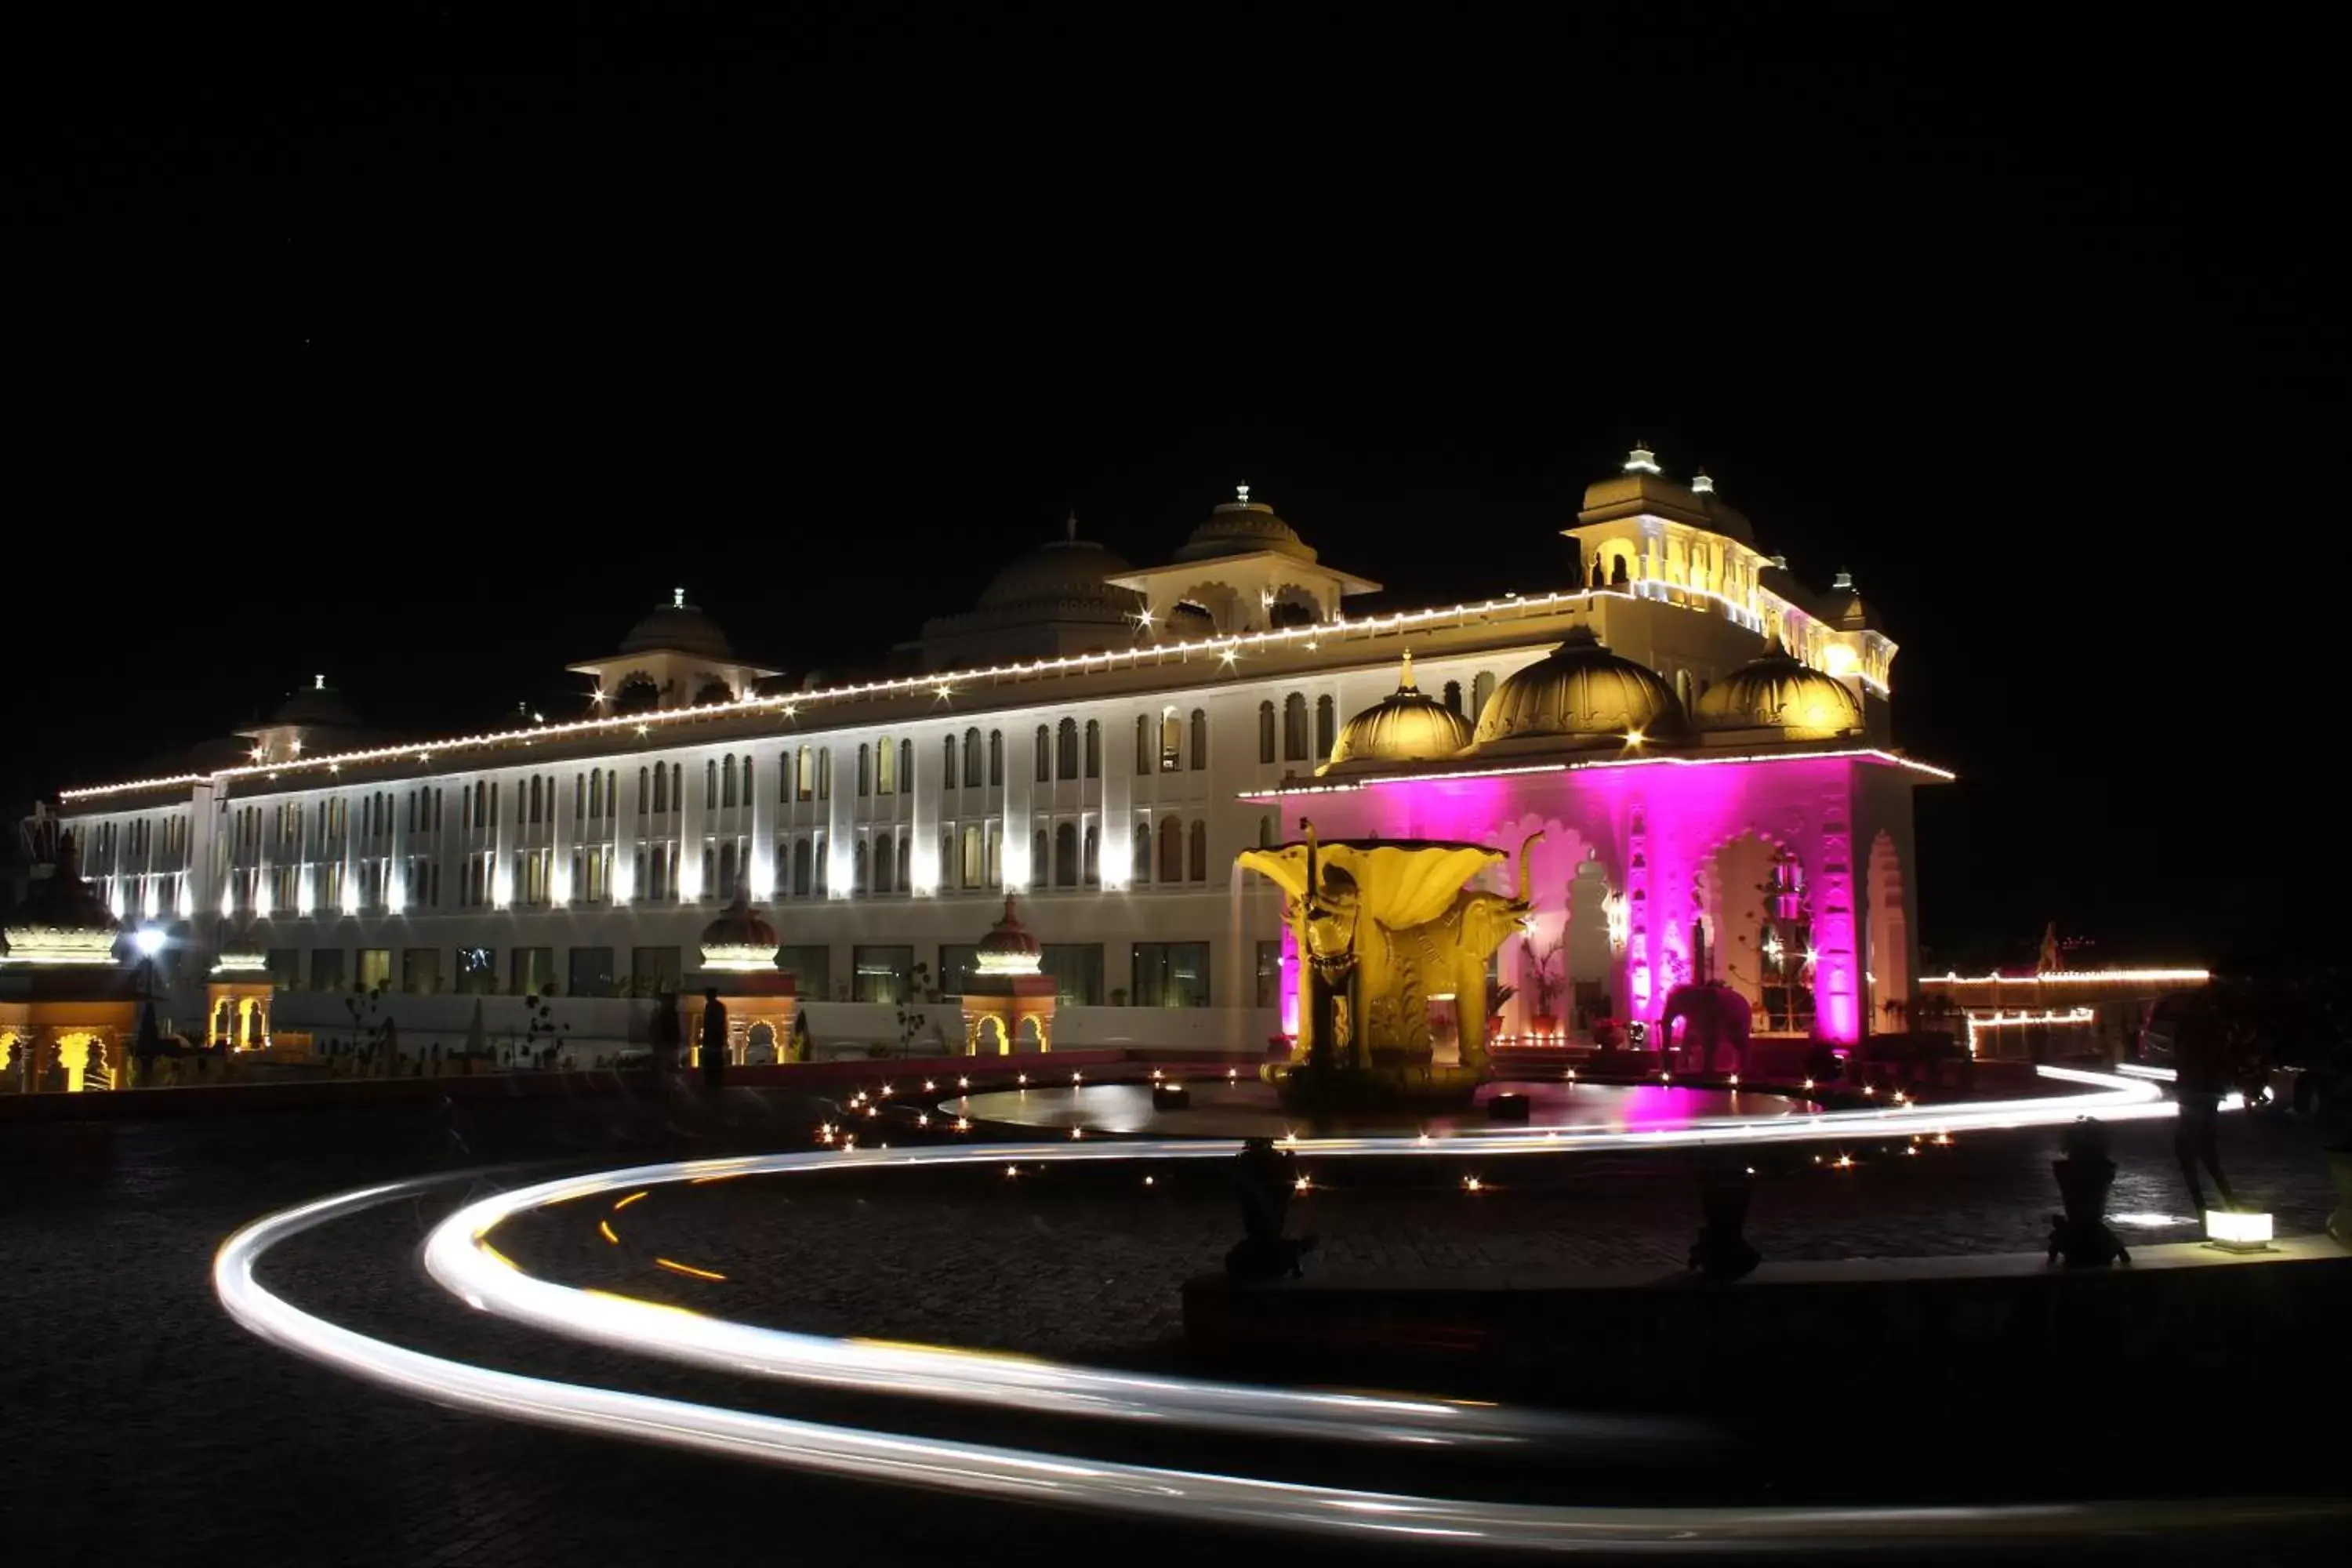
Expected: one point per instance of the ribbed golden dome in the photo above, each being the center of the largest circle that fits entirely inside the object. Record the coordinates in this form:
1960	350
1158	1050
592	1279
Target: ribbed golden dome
1580	692
1776	692
1407	726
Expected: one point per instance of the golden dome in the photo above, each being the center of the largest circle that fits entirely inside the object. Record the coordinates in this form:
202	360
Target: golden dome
1776	692
1407	726
1580	692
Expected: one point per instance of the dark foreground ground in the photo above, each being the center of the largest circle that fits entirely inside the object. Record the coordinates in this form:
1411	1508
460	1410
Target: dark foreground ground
139	1425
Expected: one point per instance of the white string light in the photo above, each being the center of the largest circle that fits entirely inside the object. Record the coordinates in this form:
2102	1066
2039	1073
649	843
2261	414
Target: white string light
1511	606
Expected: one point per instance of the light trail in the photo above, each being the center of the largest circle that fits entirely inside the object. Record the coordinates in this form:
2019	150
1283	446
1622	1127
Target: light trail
457	1254
1177	1496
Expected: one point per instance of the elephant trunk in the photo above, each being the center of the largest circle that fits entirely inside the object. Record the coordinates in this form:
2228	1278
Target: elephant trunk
1525	870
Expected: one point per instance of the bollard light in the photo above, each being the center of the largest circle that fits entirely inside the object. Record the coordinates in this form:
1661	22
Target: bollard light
2235	1232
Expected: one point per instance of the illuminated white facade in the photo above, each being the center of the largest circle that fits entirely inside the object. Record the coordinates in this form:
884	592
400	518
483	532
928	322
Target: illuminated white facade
1089	737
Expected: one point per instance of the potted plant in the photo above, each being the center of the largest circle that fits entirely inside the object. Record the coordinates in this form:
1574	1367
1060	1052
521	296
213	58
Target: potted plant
1494	1005
2086	1170
1545	1023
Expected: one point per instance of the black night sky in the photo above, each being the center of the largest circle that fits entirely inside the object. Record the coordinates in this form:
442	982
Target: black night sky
430	352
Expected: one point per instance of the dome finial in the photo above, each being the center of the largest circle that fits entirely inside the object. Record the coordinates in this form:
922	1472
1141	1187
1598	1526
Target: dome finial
1242	493
677	598
318	683
1702	484
1070	526
1641	459
1842	583
1404	680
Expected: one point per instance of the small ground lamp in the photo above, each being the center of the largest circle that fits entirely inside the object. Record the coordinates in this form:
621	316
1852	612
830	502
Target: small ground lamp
2234	1232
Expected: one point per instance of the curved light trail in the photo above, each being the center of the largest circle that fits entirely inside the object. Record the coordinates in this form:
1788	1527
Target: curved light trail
459	1257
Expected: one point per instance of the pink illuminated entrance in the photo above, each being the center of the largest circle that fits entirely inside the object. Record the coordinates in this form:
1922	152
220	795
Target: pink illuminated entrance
1755	857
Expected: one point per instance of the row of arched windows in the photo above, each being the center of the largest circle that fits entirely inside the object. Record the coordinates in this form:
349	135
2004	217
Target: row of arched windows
800	866
881	768
1293	728
979	766
1184	854
661	790
891	872
810	776
721	787
596	794
1160	747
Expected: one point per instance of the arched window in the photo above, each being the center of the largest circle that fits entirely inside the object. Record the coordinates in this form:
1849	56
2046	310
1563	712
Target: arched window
1094	750
1143	734
906	764
1326	726
823	775
611	792
661	791
1140	848
727	873
906	862
1065	856
864	769
885	767
727	780
858	866
579	797
975	862
1066	749
800	867
677	789
1171	851
1265	832
1266	731
882	862
1200	857
1171	742
1092	869
996	756
1481	690
710	787
1038	864
1453	694
819	855
534	807
804	774
948	763
644	792
1294	728
747	779
1199	739
709	871
1044	754
971	760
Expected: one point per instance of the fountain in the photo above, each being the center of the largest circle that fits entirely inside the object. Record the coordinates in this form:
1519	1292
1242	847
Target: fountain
1386	930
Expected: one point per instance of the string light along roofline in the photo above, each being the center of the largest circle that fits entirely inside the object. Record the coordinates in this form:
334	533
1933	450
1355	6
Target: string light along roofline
1851	754
1514	605
2073	977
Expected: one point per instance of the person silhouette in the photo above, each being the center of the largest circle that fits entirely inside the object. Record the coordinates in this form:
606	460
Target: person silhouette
714	1040
1264	1180
2201	1060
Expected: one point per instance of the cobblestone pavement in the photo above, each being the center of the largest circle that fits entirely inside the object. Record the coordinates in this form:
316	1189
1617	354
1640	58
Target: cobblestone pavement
139	1425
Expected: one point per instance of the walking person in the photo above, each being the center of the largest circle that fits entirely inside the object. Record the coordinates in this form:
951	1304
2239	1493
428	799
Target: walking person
2201	1055
714	1041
